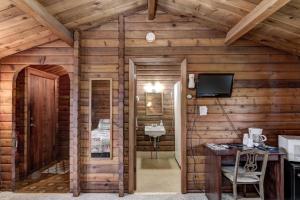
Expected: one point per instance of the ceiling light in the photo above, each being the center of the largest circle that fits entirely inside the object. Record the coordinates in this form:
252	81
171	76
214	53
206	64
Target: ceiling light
150	37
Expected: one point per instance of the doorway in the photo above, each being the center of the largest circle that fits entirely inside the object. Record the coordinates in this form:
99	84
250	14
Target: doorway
157	163
42	129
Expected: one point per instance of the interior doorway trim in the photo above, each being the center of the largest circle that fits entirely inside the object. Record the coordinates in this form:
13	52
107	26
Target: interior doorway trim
132	111
71	76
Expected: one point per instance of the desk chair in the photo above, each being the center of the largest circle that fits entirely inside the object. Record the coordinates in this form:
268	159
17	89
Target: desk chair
246	171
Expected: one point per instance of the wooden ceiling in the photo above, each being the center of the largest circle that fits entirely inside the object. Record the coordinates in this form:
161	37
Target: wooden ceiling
22	29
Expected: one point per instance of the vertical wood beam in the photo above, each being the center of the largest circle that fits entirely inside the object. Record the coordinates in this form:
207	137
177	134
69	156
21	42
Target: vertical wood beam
121	104
183	126
151	9
261	12
131	128
75	136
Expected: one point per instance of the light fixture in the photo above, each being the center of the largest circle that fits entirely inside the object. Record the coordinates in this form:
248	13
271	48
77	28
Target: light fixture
148	87
150	37
157	87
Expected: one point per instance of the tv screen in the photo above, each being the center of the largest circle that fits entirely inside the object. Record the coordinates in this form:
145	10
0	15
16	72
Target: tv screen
214	85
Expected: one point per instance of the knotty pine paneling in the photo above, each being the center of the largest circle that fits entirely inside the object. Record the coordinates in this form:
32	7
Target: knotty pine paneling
63	131
153	74
55	53
21	125
98	59
265	92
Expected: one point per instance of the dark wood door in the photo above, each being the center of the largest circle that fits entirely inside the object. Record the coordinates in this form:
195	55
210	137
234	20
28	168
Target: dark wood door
42	119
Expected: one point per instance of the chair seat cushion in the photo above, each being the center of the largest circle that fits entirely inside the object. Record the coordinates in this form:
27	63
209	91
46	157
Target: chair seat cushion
242	178
230	169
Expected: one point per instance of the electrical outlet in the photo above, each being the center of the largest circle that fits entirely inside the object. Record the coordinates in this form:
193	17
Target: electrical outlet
203	110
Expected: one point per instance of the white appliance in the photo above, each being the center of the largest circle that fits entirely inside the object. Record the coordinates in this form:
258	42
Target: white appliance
291	144
177	119
191	84
256	135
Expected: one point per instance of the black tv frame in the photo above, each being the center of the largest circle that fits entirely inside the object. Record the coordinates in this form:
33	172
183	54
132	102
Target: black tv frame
216	95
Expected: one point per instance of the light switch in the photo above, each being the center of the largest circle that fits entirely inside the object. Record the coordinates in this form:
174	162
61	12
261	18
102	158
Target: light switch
203	110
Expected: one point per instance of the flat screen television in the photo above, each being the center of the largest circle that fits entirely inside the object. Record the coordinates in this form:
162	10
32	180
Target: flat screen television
214	85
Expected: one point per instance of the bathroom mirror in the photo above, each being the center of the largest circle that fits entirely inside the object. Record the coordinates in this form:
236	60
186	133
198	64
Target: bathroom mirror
100	118
154	103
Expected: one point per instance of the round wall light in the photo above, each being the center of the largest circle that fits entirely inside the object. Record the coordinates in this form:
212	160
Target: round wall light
150	37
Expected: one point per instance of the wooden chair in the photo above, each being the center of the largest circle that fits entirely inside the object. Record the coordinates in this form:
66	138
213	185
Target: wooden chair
247	172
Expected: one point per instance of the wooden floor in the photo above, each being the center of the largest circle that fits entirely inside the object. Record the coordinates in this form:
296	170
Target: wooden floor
46	183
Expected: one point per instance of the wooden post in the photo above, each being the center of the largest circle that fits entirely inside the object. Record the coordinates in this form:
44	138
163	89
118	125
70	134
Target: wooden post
131	128
151	9
75	137
121	104
183	126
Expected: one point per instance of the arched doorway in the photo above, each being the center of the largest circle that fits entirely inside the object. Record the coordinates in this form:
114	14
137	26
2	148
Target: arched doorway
42	129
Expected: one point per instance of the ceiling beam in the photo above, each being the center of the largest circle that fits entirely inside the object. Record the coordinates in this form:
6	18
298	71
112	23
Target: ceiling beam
151	9
40	14
262	11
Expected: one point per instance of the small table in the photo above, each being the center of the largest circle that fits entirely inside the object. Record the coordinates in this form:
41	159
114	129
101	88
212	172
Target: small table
274	177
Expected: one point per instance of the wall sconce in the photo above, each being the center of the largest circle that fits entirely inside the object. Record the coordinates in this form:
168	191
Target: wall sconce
148	87
157	87
149	104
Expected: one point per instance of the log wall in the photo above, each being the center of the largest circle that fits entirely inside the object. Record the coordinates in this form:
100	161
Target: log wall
55	53
266	91
266	88
98	59
21	126
63	131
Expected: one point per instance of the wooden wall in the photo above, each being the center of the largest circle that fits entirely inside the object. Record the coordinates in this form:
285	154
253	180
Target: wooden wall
55	53
167	76
21	126
98	59
266	88
100	94
63	133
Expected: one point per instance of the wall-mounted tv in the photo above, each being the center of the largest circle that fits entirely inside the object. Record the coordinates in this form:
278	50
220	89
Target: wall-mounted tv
214	85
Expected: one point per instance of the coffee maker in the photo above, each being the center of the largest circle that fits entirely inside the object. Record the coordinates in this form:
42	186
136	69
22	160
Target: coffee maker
256	135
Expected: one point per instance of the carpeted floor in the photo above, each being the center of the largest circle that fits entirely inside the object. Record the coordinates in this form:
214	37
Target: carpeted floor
157	175
93	196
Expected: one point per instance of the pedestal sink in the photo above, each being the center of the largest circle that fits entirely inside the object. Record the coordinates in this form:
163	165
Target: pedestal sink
155	131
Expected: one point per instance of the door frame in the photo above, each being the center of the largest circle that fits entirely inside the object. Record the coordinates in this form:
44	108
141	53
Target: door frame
73	81
132	112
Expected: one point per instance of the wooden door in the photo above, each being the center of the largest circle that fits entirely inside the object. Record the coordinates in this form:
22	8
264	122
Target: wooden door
42	109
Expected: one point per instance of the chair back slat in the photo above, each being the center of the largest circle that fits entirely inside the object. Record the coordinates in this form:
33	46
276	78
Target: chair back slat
250	165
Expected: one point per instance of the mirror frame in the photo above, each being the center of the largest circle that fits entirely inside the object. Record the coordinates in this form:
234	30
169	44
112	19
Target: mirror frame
162	104
111	116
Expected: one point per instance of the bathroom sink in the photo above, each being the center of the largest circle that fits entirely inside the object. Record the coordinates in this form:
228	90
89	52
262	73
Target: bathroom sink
155	131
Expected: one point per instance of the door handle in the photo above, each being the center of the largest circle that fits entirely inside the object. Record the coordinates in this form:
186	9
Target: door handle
32	125
298	175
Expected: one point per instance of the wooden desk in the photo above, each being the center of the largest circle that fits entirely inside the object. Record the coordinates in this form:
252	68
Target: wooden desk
274	178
